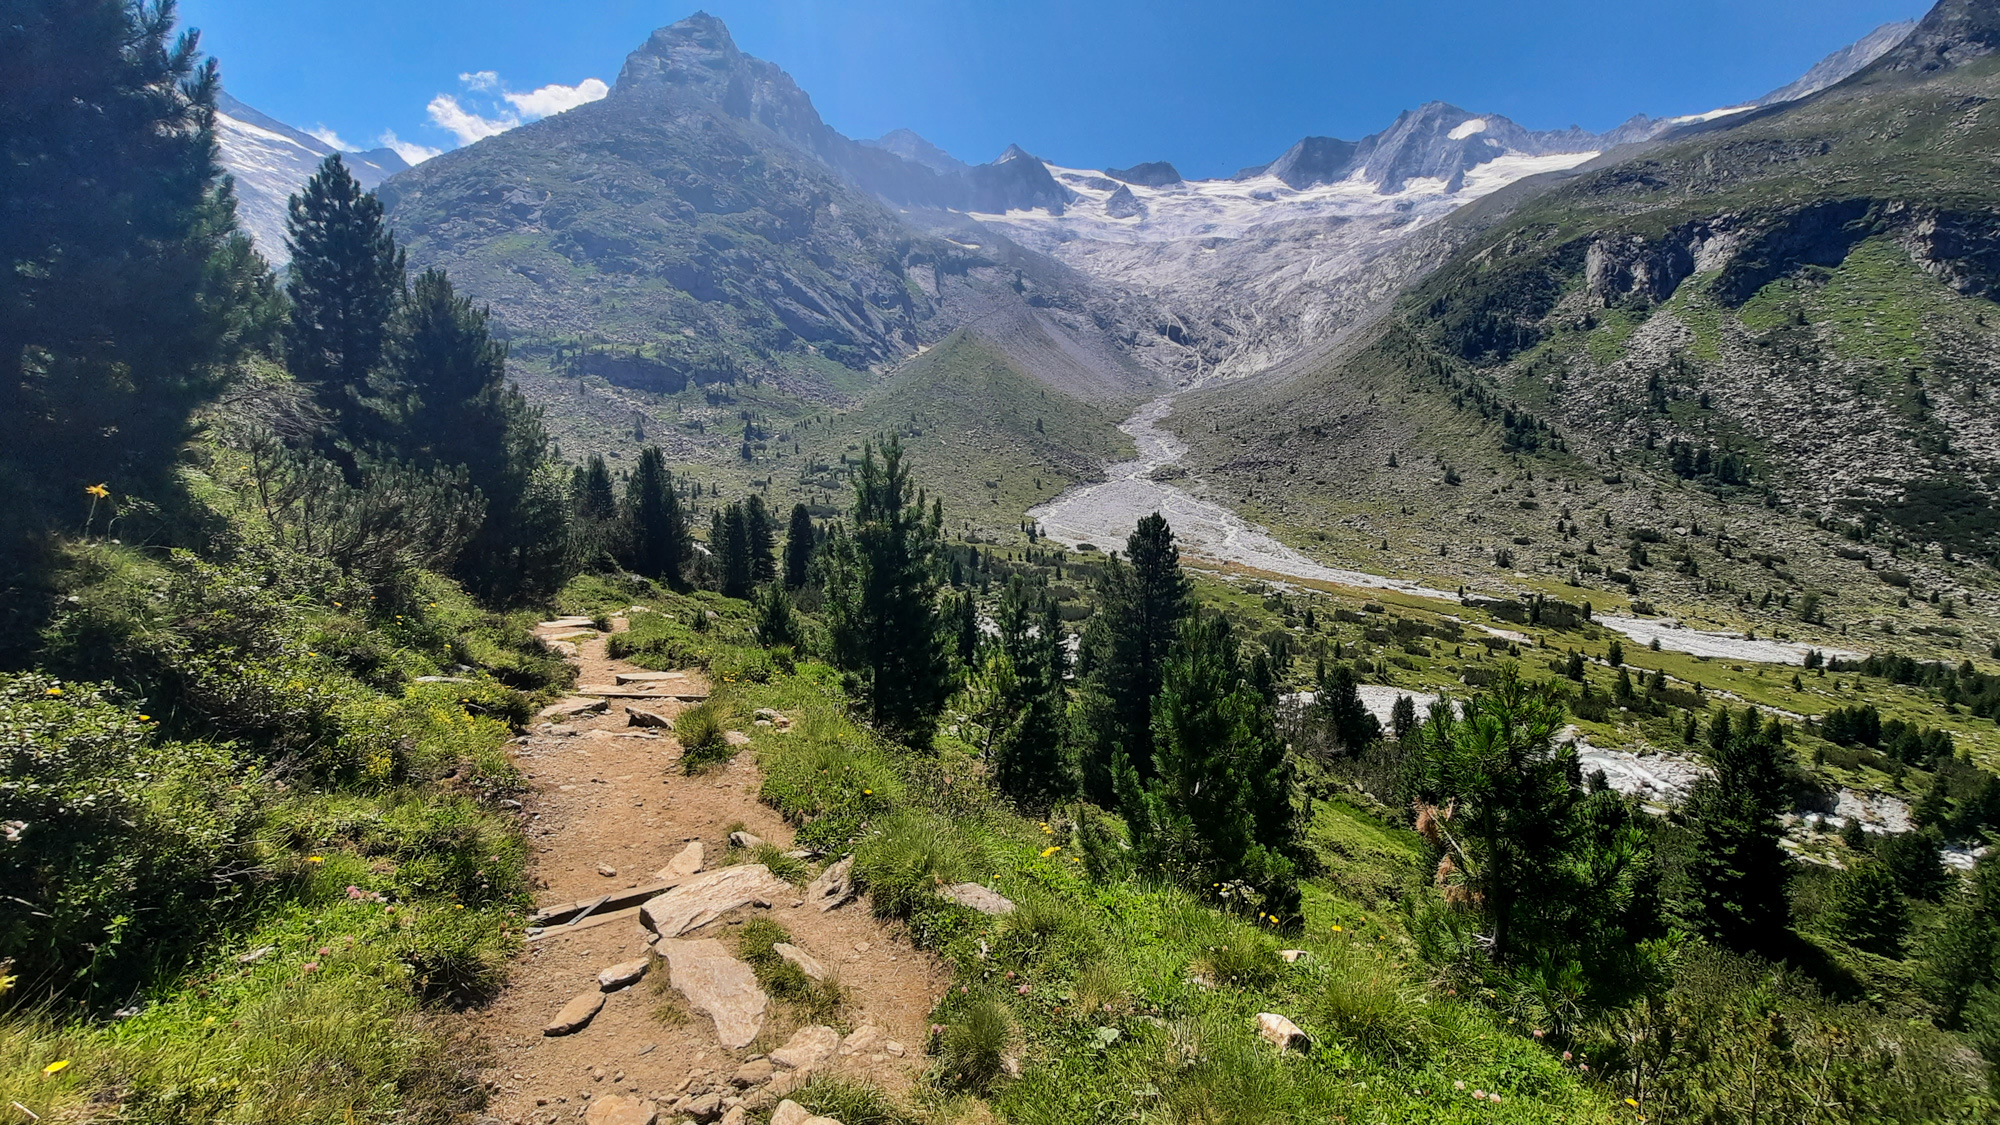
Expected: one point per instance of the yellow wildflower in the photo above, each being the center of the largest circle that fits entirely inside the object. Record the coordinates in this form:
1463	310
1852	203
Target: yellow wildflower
315	859
1632	1102
58	1065
55	691
101	492
1336	929
1051	850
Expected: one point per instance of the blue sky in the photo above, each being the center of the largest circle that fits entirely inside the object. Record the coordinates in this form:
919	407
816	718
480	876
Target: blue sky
1211	86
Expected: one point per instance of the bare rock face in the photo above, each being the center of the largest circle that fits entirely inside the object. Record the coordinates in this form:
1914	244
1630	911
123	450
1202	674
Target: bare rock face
685	865
806	1049
618	1110
719	986
834	886
979	898
807	963
1281	1032
575	1015
705	897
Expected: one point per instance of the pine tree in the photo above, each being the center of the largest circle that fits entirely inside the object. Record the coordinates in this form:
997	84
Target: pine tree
1143	600
729	542
126	292
594	497
445	387
1217	810
1344	722
883	577
801	540
655	536
1866	912
761	533
347	276
1739	872
1026	667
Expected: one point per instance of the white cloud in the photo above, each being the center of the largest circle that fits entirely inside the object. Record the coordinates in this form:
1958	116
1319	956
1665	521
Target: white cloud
330	139
412	154
490	109
468	126
553	99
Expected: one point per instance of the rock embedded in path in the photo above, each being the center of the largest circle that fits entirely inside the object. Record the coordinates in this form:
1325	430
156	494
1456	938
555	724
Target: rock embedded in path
834	886
1281	1032
864	1040
640	717
567	623
735	738
807	963
616	1110
736	1115
704	898
685	865
575	1015
624	678
622	975
982	899
754	1073
792	1113
744	840
718	986
572	707
807	1048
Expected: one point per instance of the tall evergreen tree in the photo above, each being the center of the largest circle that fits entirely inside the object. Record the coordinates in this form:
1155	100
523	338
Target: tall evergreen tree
1026	665
1739	872
761	535
1343	723
801	540
882	578
1218	806
729	542
1143	600
126	293
445	387
594	497
655	537
347	276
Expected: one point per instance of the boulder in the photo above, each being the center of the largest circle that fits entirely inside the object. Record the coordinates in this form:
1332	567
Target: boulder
753	1073
640	717
707	896
575	1015
685	865
1281	1032
572	707
834	886
618	1110
979	898
792	1113
736	1115
807	1048
807	963
623	974
718	986
705	1108
744	840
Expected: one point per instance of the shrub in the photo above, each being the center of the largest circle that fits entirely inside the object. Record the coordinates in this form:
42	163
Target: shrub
972	1049
455	956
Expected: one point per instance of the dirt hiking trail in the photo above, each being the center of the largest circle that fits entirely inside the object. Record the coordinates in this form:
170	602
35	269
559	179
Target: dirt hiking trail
608	811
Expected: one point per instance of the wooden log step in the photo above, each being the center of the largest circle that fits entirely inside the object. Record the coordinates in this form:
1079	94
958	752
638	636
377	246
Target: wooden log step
602	904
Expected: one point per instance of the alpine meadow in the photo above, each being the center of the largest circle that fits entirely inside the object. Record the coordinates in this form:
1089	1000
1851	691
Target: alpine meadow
663	612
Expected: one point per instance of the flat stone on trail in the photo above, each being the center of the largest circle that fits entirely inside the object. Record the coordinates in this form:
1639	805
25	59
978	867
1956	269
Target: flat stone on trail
752	1074
623	678
567	623
719	986
1281	1032
979	898
617	1110
622	974
707	896
684	865
573	706
834	886
807	963
744	840
640	717
807	1048
575	1015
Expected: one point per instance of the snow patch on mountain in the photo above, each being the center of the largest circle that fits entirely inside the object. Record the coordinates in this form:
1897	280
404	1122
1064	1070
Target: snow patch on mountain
271	161
1468	128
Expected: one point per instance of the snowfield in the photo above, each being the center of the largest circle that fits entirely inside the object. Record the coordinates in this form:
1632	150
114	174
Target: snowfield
1721	646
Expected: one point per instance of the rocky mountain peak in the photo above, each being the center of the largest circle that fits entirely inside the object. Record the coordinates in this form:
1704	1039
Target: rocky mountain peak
1153	173
696	61
1953	33
907	144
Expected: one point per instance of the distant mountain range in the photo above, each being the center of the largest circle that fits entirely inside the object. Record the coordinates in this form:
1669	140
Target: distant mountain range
271	160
